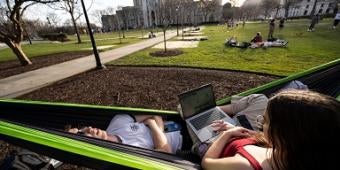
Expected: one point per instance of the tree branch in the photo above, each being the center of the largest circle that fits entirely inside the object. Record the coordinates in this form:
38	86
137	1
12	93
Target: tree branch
8	6
24	9
42	1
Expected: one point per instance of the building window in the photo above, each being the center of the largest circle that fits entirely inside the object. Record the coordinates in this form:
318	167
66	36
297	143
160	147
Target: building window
307	6
327	11
308	0
305	13
322	5
320	11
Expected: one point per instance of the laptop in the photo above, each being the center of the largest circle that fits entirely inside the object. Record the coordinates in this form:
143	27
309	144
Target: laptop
199	110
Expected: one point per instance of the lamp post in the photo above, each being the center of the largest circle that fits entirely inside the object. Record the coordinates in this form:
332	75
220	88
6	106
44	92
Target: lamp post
99	65
177	8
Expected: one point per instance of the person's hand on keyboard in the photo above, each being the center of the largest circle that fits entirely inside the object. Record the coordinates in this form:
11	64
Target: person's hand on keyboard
220	125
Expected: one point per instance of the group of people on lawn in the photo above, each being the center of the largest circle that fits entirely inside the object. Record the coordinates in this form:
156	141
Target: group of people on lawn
258	41
293	129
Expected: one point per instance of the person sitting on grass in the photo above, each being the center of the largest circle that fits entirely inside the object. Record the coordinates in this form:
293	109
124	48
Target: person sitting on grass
298	126
151	34
257	41
141	131
276	43
232	42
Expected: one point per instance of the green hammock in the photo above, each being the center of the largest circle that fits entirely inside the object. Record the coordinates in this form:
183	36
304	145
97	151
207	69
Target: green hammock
38	126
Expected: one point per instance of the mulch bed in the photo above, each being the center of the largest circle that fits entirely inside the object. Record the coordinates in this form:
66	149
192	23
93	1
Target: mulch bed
168	53
145	87
10	68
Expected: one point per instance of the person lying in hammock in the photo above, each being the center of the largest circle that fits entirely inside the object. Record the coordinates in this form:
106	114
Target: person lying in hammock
297	125
140	131
250	108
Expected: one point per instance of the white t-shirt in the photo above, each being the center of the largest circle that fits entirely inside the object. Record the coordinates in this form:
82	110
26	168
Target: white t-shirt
138	134
337	16
251	106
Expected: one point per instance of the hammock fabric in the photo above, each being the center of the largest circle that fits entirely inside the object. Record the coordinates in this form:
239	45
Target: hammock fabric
38	126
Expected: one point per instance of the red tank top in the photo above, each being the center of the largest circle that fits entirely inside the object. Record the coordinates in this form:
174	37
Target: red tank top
236	146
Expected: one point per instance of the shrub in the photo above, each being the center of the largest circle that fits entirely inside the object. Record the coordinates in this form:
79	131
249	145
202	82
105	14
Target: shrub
62	37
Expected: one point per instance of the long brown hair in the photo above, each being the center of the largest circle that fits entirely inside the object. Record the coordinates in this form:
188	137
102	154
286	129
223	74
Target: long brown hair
302	130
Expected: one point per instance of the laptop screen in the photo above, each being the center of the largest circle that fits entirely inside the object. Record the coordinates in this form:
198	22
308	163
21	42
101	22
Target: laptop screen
197	100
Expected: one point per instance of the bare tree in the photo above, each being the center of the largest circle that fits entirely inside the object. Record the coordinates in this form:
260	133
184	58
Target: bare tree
287	4
53	18
251	9
268	5
99	13
118	25
164	10
123	19
277	8
137	17
190	10
11	25
72	7
110	11
183	6
233	2
314	7
208	7
227	12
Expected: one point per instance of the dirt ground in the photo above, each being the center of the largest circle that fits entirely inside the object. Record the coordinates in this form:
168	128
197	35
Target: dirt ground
144	87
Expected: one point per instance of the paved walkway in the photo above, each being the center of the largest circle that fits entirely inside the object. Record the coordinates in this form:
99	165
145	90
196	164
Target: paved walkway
17	85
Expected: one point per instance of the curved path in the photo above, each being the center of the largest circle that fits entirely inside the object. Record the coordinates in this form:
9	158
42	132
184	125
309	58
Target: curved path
17	85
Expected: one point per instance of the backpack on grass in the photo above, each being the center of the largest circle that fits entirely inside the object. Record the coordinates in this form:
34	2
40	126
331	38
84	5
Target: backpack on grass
27	160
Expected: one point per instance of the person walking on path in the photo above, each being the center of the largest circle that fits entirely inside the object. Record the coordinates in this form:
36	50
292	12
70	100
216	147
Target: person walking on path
314	21
336	20
271	29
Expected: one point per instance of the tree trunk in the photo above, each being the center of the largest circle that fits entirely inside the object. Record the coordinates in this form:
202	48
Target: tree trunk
120	39
16	48
182	31
123	33
76	29
164	31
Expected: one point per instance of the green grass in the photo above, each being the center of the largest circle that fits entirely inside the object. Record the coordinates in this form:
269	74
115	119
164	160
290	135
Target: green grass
305	50
35	50
128	33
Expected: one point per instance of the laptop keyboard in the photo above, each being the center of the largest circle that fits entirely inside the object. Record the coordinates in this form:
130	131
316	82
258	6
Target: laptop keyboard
206	119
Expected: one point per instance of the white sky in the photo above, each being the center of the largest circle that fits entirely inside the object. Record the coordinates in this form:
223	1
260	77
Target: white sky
41	11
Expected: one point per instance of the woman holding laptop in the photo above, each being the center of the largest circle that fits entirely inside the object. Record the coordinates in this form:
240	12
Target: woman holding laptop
299	128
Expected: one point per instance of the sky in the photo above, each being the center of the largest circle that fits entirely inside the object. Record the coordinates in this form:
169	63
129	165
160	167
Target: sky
40	11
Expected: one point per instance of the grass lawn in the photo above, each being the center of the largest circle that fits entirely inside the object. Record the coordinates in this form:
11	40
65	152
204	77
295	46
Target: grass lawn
129	33
305	50
35	50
